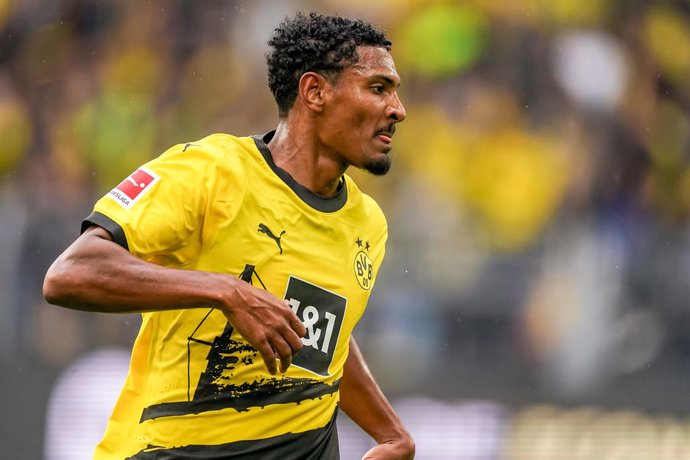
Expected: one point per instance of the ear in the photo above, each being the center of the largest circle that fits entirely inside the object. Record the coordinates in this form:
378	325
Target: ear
312	91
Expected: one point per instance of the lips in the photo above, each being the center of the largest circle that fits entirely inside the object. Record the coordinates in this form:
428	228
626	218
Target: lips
385	138
386	135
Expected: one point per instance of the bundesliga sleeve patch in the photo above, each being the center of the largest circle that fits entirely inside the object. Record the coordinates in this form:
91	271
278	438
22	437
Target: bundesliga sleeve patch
134	187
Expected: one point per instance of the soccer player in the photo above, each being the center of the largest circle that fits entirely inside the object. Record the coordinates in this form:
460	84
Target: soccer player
251	260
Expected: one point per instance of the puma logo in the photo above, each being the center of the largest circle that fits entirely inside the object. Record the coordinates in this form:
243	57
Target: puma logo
264	229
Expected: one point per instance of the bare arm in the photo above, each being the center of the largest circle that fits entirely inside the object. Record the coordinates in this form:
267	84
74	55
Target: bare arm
365	404
96	274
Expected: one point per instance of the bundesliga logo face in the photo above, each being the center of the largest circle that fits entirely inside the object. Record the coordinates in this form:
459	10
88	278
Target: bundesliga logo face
133	188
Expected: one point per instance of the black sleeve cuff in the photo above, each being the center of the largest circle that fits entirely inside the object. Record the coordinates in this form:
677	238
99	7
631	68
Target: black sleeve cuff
112	227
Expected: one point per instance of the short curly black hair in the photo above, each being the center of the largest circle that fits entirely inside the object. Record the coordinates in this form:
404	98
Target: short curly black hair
314	43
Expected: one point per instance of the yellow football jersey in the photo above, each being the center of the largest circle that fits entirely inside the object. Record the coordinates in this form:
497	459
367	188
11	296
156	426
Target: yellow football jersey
196	388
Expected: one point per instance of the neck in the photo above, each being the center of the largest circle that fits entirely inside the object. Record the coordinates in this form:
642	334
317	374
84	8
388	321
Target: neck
298	151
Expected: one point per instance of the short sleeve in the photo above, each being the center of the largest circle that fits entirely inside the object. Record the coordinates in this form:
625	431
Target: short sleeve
158	211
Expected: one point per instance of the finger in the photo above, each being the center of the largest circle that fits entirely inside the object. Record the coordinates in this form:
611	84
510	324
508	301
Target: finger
285	365
284	353
294	321
297	326
293	340
269	356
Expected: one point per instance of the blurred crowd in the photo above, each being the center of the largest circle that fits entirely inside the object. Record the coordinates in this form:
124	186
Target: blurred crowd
538	205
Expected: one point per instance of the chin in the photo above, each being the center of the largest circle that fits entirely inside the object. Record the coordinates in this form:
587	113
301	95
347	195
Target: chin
378	166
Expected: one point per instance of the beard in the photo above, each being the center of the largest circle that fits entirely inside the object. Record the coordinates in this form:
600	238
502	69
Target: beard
378	166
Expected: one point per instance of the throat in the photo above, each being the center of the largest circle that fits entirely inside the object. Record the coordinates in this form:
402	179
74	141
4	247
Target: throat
333	187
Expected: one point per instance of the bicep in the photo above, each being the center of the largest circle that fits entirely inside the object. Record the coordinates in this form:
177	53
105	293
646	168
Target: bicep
92	252
93	246
95	231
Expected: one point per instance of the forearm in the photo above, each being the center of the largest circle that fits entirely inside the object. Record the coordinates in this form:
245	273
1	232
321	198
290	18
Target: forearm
95	274
364	402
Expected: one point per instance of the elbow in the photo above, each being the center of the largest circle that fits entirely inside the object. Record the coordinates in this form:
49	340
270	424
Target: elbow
67	282
55	289
51	288
409	447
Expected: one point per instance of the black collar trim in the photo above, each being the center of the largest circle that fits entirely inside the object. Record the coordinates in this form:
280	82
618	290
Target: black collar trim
320	203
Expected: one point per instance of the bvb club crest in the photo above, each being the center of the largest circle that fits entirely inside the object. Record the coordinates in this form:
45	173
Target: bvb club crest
364	269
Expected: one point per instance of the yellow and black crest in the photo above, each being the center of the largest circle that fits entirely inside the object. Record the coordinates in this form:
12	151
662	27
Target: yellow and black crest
363	266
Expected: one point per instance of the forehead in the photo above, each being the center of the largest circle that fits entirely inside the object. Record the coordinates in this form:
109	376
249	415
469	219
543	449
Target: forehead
373	61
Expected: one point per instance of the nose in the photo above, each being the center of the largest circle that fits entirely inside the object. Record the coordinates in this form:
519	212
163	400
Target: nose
395	110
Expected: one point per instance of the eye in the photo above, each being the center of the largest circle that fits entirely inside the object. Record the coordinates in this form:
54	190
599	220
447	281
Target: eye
378	89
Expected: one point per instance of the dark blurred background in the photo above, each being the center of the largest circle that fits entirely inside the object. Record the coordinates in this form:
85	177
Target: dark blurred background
534	303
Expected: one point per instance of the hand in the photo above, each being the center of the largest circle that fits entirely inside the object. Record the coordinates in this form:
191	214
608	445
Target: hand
267	323
398	449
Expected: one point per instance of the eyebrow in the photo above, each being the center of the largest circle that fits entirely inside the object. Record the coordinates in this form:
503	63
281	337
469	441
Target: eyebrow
388	80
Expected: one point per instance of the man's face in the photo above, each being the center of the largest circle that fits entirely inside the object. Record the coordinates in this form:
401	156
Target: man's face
362	110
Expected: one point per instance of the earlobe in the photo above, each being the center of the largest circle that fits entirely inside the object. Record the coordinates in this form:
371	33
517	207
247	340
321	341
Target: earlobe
311	91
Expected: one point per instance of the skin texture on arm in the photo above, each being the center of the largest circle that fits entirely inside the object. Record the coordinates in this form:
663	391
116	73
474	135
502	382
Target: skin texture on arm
362	400
96	274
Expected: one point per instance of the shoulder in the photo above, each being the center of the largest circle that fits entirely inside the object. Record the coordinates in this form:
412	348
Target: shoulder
365	204
226	142
214	146
217	152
